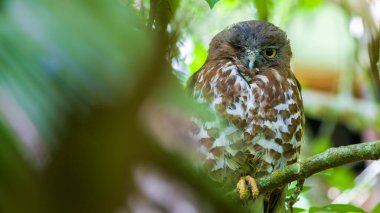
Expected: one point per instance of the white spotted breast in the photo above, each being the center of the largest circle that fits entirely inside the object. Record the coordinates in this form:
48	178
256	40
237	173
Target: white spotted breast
258	122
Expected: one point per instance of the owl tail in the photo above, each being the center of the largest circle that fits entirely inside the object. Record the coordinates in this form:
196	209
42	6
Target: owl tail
275	202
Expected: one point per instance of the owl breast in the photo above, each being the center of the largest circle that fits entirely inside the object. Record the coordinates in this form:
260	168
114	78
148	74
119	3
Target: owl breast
257	122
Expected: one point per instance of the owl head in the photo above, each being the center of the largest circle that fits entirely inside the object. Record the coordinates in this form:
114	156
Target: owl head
255	44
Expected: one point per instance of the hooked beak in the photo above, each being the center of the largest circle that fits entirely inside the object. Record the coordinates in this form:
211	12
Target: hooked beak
251	63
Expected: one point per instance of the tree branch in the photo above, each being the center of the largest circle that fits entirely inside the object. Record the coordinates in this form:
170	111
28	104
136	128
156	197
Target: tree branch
333	157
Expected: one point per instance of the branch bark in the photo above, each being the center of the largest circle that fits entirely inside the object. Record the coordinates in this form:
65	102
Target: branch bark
333	157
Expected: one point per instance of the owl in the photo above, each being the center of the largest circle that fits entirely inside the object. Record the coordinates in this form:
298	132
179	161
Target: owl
256	116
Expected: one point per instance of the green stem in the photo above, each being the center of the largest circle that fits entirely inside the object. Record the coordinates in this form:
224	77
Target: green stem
333	157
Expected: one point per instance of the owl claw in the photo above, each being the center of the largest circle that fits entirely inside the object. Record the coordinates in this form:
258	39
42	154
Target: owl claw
245	183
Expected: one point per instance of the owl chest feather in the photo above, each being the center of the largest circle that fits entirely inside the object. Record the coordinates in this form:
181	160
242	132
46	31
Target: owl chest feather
258	118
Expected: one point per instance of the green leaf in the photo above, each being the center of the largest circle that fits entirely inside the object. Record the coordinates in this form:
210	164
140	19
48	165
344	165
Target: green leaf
211	3
299	210
337	208
309	4
321	144
264	8
200	52
282	11
376	209
342	178
326	173
291	190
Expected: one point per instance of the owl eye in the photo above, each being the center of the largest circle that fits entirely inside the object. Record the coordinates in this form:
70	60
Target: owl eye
270	52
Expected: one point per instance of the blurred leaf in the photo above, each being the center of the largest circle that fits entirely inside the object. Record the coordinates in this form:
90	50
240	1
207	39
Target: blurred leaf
200	53
282	12
80	58
326	173
264	8
299	210
342	178
19	183
211	3
321	144
306	188
337	208
309	4
231	4
376	209
176	95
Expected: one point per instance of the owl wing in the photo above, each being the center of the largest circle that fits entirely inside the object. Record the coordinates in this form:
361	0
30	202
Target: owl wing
222	85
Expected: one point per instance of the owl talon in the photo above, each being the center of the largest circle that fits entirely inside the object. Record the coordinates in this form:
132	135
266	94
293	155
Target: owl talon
241	186
245	183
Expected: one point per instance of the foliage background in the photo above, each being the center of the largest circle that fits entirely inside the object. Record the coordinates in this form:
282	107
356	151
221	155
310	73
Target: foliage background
90	110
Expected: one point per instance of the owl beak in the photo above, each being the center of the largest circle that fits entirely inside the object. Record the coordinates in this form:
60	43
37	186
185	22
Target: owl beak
251	61
251	64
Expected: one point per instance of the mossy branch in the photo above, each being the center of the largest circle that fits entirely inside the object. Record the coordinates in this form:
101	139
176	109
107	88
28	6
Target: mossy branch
331	158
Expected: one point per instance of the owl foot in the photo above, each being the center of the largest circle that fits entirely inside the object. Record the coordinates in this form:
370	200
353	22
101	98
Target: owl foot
244	184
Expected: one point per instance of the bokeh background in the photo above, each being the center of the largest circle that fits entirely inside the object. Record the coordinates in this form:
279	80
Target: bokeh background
93	107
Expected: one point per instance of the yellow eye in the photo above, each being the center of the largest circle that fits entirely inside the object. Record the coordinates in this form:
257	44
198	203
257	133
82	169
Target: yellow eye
270	52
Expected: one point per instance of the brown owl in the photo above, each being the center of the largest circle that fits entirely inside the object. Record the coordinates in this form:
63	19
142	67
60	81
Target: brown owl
255	100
